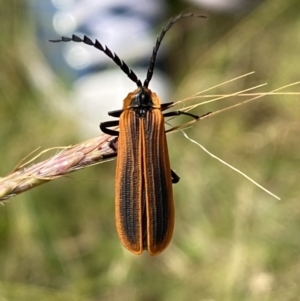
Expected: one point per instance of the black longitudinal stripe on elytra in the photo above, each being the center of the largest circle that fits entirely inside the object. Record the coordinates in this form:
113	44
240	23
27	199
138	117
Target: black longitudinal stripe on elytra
129	206
163	196
165	192
157	182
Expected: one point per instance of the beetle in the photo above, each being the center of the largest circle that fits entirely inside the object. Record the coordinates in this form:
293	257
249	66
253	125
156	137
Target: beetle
144	202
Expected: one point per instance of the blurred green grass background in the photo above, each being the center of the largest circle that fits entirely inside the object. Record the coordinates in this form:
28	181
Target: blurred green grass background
231	242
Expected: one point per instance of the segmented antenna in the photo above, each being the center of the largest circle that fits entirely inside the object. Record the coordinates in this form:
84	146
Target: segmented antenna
158	41
107	51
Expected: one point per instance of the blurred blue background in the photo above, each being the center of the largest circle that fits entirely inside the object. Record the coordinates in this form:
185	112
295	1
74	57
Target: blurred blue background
231	241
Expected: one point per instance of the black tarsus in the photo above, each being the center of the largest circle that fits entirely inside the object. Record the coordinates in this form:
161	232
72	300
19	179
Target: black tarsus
175	177
112	143
105	125
158	41
107	51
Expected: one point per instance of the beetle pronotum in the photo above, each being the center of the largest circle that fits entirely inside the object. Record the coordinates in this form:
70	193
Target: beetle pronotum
144	197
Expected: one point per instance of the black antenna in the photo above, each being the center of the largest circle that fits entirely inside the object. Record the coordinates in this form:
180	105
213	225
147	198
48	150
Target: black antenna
158	41
107	51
